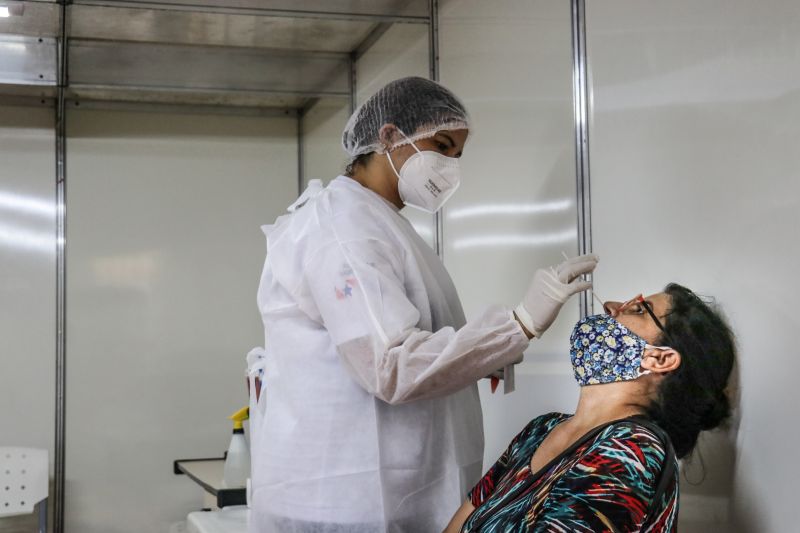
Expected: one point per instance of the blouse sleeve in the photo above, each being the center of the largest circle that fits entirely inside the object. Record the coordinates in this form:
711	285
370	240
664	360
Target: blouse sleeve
487	484
610	489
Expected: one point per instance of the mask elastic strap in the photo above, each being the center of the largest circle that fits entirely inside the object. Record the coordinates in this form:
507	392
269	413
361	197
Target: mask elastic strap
414	146
389	157
388	152
663	349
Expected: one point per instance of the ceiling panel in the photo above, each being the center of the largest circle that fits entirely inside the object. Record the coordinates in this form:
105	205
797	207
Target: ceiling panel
217	29
83	94
37	19
202	75
246	53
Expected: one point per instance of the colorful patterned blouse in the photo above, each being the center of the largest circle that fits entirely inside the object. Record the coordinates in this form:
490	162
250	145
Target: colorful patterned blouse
605	482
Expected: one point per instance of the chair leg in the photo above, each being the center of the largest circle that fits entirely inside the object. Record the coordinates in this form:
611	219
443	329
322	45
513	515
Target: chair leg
43	516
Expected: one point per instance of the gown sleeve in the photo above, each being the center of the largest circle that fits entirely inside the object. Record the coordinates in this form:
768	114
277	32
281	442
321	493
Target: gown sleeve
610	489
354	283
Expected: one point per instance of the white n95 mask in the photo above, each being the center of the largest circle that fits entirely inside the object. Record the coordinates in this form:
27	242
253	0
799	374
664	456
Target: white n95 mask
427	179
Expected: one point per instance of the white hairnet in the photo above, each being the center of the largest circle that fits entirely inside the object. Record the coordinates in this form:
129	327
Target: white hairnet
417	106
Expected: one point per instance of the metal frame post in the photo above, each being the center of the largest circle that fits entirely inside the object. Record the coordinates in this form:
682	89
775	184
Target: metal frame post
301	168
353	80
433	73
61	277
580	87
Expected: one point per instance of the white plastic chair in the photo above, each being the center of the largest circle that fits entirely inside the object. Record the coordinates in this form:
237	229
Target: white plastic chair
24	481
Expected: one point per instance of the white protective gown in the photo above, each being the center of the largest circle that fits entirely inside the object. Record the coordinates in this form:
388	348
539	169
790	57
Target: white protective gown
369	419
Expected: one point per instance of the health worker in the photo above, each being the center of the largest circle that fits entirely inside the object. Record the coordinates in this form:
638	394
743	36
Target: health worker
368	418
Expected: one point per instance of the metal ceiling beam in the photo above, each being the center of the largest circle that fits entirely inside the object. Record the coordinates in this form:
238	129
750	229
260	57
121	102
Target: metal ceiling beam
237	10
26	101
188	109
370	40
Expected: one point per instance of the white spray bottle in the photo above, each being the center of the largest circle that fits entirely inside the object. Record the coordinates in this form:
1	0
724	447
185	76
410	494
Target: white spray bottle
237	462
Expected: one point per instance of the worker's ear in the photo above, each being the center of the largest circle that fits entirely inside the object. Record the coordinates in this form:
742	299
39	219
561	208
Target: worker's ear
388	136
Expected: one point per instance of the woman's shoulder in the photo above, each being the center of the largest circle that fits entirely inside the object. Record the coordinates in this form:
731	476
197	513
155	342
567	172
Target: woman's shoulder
543	424
633	431
549	420
635	445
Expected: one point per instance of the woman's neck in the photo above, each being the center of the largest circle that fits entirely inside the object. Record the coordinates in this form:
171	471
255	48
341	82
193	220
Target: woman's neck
599	404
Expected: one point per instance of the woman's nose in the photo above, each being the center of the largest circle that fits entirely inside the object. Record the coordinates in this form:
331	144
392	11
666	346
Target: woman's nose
612	308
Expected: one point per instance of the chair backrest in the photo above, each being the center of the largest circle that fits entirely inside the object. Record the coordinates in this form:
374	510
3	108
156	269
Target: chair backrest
24	479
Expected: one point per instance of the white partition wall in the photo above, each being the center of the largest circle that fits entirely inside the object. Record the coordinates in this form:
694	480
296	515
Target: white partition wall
164	256
694	179
401	51
511	62
323	156
27	282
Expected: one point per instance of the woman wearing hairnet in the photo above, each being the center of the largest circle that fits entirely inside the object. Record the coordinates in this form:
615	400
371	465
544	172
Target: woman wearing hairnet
369	419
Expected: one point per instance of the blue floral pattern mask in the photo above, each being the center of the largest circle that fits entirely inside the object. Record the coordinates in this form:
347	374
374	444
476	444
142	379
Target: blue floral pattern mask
604	351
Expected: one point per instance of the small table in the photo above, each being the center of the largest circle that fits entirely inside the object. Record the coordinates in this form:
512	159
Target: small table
208	474
228	520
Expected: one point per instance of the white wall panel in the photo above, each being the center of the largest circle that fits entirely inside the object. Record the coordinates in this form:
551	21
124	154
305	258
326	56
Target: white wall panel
323	155
164	256
694	179
27	283
401	51
511	62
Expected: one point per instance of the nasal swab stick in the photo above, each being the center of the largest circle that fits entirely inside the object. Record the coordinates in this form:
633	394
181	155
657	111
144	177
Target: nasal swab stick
596	297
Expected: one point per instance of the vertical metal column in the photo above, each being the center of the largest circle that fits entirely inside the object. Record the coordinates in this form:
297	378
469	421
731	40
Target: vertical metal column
353	80
433	73
301	166
61	278
580	87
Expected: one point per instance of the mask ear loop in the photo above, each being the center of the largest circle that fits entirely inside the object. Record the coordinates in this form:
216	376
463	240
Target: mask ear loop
414	146
388	152
391	163
664	349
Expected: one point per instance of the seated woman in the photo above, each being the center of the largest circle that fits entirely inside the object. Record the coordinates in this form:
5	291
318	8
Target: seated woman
653	374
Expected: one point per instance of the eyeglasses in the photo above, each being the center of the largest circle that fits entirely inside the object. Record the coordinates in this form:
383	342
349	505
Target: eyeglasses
640	301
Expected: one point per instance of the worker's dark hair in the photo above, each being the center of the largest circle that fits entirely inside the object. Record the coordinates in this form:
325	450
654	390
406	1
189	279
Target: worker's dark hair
361	160
695	396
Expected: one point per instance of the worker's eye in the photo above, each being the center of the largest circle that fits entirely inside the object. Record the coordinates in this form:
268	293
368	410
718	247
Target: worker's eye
442	147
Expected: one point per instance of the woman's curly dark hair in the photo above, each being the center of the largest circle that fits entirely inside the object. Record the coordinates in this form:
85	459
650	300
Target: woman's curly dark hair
694	397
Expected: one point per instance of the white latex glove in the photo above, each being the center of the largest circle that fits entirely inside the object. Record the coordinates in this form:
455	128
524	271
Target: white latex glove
550	288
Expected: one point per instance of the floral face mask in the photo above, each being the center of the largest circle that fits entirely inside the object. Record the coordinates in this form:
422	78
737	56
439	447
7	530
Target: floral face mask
604	351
